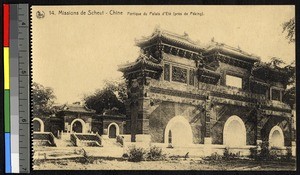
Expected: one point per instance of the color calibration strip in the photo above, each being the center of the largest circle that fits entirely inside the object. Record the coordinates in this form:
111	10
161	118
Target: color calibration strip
16	88
6	60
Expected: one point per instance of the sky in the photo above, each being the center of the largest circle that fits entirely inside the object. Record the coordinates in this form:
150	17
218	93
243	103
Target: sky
74	54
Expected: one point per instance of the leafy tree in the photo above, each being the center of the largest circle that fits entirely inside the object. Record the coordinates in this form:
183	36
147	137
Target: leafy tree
118	87
109	100
42	98
290	93
289	27
291	71
276	62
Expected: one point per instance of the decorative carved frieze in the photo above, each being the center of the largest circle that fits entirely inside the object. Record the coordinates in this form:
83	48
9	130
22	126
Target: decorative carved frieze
179	74
191	77
167	72
176	93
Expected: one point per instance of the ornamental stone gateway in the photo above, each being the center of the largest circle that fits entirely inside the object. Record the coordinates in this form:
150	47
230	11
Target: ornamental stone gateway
184	95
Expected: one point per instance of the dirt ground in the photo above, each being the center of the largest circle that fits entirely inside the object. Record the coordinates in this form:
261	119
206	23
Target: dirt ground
179	164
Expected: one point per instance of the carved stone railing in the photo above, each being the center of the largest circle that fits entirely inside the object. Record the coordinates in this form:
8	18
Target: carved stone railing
86	139
44	138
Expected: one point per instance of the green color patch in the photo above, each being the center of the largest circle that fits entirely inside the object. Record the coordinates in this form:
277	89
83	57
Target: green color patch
6	110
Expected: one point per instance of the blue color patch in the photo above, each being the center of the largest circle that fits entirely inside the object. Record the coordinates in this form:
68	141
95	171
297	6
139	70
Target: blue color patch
7	153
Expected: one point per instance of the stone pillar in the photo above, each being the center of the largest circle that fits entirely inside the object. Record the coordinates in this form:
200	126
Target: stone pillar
207	135
127	129
142	134
290	125
134	117
259	126
144	114
139	105
133	105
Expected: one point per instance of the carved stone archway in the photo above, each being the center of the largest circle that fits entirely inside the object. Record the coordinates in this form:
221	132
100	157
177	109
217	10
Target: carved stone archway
234	133
276	137
181	132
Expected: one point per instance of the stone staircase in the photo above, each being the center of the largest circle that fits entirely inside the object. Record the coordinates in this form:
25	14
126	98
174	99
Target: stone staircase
64	141
86	139
43	139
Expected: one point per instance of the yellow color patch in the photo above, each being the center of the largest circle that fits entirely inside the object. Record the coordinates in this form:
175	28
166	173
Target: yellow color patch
6	67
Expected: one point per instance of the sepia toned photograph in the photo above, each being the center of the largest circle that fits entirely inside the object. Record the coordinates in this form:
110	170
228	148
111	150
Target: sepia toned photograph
166	87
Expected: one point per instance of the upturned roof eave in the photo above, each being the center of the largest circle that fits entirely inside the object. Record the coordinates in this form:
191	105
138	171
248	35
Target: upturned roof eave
233	53
180	40
264	67
135	65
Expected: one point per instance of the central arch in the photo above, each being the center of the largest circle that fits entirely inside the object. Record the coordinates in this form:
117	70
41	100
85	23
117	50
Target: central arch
113	130
38	125
234	133
80	122
178	132
276	137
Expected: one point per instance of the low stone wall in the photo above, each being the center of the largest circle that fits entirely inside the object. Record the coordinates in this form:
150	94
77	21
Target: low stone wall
143	138
205	150
195	150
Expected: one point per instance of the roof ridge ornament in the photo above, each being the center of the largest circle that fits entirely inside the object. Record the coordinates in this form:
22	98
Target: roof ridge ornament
185	34
157	30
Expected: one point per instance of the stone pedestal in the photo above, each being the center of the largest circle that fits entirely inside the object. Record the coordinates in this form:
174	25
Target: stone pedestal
207	140
258	142
207	146
293	148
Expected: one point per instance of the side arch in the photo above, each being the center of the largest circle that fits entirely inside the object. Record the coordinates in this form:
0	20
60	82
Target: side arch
234	133
42	125
117	128
180	130
276	137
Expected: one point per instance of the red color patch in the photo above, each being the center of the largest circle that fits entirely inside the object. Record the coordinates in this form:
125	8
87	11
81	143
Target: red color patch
6	25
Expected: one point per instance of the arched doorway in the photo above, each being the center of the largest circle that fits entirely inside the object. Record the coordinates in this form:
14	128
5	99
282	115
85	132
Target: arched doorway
178	132
78	126
234	133
38	125
276	137
113	130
